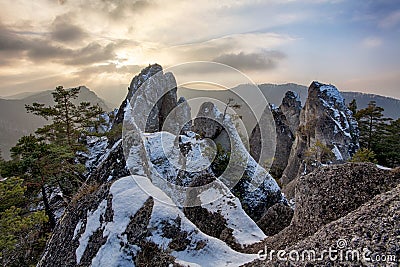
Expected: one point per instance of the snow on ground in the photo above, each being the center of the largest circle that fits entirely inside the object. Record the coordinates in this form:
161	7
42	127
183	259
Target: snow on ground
96	146
245	230
128	198
215	252
383	167
92	224
337	153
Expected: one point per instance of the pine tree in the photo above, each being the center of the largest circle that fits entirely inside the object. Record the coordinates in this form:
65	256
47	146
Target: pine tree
372	124
45	166
69	121
388	148
364	155
353	106
22	232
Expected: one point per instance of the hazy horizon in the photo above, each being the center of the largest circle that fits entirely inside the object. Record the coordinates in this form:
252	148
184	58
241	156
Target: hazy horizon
102	44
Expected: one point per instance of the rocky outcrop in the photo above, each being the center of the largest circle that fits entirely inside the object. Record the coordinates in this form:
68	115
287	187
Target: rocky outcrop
120	225
171	194
325	122
277	218
291	108
284	142
286	118
152	197
330	193
367	236
252	184
154	92
135	84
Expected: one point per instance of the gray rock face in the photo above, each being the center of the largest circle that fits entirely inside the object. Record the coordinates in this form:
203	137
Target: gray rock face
179	117
154	95
330	193
276	219
326	120
149	91
135	84
206	124
291	108
284	142
286	119
372	228
252	184
111	165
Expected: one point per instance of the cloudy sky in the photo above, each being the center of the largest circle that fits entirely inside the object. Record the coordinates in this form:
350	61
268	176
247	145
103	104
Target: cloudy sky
103	43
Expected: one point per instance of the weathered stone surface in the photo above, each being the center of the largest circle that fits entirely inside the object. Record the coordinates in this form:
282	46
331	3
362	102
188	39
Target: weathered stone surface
291	108
277	218
324	119
152	94
206	124
110	166
372	229
135	84
284	142
330	193
286	118
178	120
251	183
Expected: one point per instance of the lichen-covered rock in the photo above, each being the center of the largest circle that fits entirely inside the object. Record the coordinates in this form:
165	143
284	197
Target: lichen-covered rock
324	119
277	218
370	233
330	193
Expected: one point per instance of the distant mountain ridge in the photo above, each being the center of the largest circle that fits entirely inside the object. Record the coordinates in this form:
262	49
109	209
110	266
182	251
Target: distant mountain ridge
274	93
391	105
15	122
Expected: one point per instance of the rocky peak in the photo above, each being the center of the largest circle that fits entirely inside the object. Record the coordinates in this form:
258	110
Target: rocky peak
291	107
164	84
251	183
326	93
324	121
139	79
287	119
155	199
